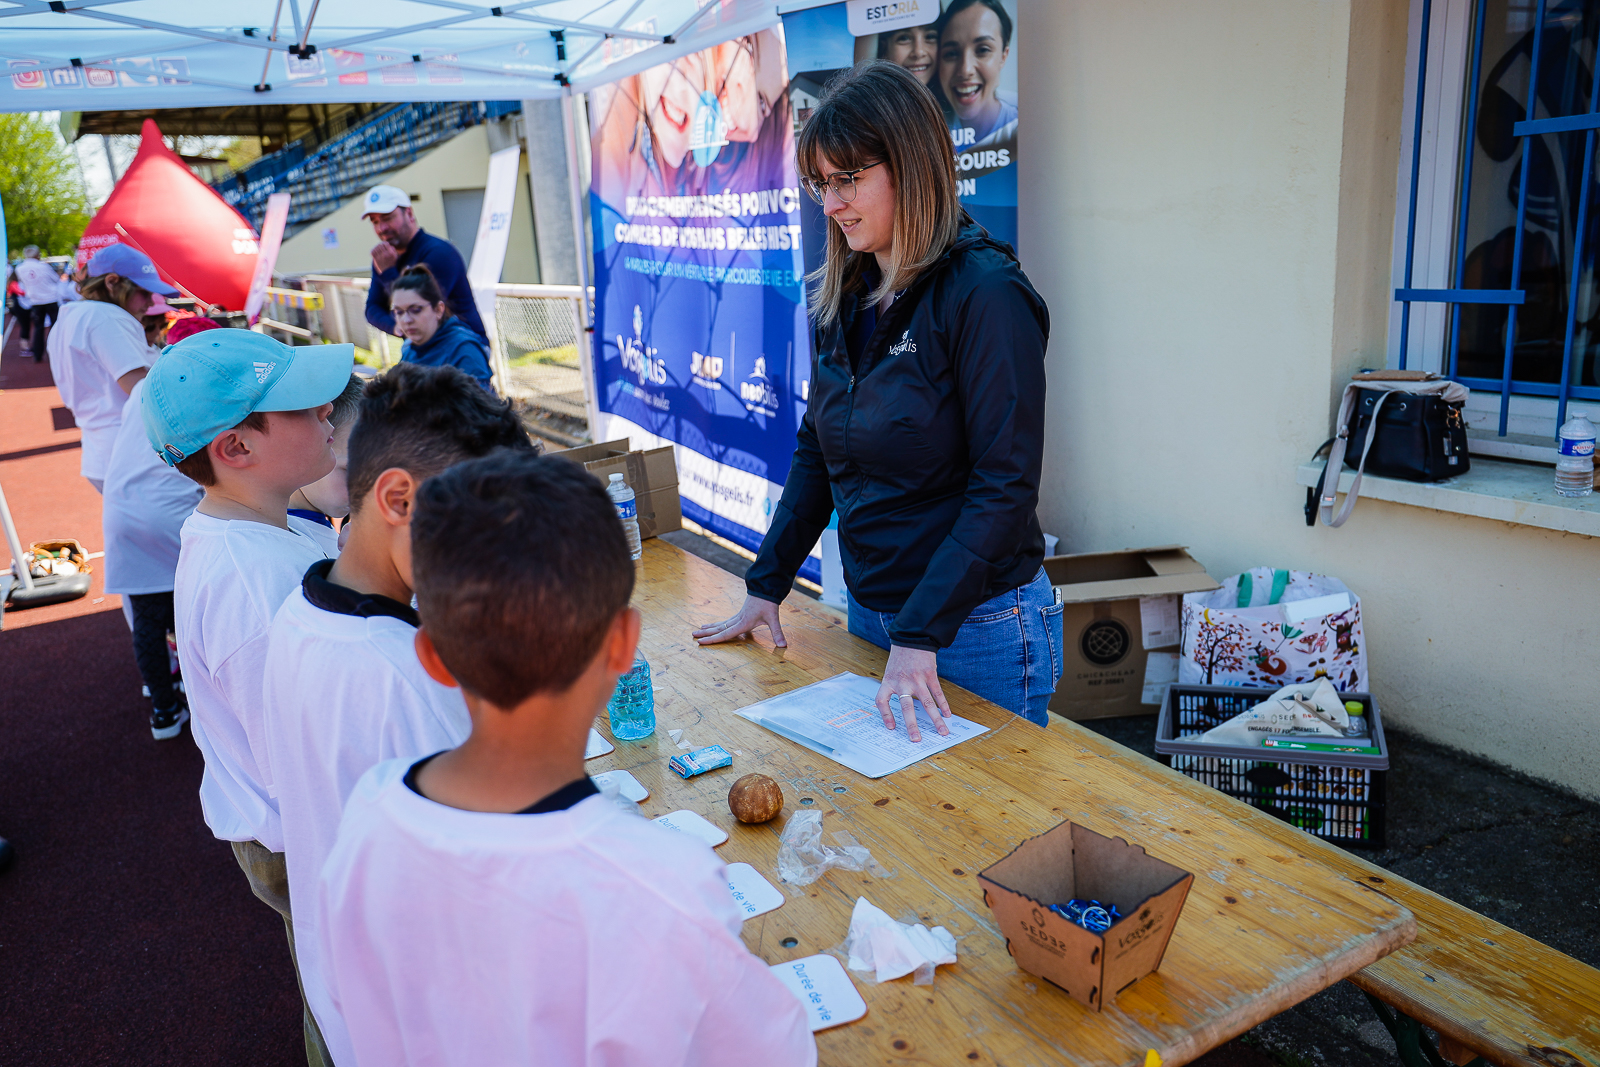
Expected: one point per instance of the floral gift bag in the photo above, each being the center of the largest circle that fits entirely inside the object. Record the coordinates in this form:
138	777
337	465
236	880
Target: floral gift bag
1273	628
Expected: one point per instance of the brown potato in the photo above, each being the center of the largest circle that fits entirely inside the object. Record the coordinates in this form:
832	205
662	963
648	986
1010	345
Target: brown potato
755	798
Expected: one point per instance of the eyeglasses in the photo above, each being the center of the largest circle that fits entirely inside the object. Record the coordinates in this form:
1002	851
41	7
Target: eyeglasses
408	311
843	184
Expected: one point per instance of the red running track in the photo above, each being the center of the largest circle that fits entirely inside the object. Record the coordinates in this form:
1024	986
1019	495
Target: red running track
128	936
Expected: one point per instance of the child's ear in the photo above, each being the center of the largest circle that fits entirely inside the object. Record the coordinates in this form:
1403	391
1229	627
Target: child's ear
393	493
623	641
230	450
432	663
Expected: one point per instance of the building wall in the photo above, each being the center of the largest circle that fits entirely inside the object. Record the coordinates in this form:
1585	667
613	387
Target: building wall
459	163
1208	197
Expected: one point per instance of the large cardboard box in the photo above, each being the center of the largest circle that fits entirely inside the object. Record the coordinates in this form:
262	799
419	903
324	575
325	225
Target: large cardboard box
1120	606
652	473
1073	862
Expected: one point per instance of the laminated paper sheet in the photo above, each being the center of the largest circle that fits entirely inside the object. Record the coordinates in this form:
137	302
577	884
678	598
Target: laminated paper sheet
837	718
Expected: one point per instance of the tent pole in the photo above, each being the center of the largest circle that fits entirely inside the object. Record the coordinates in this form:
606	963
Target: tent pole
569	125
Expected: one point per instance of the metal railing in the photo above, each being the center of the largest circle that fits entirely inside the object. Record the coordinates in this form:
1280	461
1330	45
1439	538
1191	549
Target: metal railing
536	338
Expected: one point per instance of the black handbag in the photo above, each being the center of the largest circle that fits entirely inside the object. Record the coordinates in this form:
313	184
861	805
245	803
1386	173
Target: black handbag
1397	425
1419	438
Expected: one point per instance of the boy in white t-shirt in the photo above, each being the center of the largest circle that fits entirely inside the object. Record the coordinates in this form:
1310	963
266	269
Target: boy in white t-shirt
487	905
247	418
343	688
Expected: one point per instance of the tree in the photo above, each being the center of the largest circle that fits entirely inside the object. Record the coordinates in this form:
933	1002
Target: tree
43	194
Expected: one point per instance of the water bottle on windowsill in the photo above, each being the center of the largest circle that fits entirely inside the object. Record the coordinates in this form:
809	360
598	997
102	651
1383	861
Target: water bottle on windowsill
1575	456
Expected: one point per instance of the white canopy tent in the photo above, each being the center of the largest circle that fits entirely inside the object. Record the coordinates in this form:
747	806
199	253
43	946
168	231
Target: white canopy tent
111	55
107	55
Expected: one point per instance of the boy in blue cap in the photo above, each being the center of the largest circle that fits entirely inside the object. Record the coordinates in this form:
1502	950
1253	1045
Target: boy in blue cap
247	418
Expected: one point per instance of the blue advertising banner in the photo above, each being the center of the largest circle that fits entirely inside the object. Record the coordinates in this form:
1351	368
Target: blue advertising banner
961	50
701	339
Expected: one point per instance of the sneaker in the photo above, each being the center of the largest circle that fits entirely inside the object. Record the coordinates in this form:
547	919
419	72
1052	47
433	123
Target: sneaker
167	724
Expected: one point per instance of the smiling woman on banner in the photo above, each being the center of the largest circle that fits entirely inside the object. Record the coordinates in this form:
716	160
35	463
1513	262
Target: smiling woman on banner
925	425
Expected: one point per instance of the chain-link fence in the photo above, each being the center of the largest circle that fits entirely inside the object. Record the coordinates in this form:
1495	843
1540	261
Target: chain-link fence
536	329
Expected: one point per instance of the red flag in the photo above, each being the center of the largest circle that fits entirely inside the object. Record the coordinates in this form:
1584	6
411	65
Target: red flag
198	242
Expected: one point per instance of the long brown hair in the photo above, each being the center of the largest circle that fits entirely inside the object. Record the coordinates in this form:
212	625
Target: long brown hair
879	111
100	288
420	280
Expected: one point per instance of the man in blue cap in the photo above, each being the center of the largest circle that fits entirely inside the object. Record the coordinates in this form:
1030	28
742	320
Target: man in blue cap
247	418
401	244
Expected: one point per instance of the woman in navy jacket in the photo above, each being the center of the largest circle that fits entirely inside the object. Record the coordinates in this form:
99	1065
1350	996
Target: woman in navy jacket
434	336
925	424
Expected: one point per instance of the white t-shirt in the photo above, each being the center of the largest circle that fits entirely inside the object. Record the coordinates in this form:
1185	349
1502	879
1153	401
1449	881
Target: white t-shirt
93	345
233	576
39	282
146	503
342	694
584	936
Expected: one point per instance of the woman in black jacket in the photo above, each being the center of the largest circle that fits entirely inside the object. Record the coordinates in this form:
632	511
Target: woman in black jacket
925	426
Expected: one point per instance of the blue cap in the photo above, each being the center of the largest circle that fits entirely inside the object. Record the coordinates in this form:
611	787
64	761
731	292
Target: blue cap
213	380
132	264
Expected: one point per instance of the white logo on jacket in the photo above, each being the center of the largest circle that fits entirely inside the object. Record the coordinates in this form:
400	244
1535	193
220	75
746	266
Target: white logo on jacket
904	345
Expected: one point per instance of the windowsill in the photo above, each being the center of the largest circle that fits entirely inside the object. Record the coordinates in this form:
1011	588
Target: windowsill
1505	492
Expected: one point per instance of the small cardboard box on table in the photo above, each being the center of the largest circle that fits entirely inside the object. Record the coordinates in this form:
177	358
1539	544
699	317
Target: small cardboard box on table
651	473
1120	606
1073	862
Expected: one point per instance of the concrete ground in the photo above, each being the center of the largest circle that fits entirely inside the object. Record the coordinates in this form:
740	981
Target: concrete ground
1520	851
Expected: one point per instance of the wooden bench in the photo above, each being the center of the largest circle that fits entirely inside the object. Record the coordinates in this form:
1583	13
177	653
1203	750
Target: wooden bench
1493	995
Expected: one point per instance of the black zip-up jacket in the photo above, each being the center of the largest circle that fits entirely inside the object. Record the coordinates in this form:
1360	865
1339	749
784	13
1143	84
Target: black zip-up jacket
929	451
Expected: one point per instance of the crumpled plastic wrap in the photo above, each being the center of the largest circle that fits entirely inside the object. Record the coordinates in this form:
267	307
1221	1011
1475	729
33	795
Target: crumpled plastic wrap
893	949
612	792
803	857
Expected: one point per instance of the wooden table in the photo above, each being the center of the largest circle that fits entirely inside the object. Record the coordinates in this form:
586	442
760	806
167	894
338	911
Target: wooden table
1264	927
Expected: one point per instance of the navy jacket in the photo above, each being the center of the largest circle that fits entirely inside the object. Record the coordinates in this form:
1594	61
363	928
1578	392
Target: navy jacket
441	257
454	345
930	451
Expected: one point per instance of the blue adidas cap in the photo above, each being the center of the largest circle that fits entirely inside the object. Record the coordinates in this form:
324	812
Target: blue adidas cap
132	264
213	380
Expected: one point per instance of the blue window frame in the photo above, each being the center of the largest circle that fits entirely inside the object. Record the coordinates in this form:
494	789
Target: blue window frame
1524	292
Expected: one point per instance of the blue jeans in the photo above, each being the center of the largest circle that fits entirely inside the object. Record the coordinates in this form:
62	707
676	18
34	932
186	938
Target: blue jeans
1008	651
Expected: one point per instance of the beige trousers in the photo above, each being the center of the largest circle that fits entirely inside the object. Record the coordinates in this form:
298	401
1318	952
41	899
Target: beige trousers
269	880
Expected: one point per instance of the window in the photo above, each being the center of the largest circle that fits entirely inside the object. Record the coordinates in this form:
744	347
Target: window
1499	227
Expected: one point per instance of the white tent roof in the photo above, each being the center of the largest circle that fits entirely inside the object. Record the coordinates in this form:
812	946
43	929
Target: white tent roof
110	55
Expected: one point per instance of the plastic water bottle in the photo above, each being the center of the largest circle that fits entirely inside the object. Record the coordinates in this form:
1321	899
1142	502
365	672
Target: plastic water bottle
1358	719
628	511
1575	457
632	706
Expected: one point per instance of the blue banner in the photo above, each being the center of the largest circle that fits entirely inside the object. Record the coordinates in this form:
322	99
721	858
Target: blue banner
701	338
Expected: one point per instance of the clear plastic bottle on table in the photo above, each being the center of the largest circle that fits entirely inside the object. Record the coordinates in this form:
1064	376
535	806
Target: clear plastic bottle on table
632	707
627	510
1575	456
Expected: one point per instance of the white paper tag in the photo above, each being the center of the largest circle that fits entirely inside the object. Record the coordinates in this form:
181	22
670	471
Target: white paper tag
821	984
687	822
628	787
1160	671
753	893
598	745
1158	621
1315	607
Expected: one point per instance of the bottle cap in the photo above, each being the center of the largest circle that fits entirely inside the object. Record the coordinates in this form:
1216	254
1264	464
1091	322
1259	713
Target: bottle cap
616	478
1354	707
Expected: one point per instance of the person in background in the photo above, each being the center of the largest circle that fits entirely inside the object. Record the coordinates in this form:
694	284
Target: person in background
98	348
157	318
434	336
40	287
146	503
925	427
915	48
401	244
974	41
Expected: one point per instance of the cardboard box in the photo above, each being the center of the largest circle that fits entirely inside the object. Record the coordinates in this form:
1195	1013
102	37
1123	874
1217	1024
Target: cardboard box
1073	862
652	474
1105	639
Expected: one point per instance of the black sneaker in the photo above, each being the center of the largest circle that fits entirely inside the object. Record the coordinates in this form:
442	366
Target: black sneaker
167	724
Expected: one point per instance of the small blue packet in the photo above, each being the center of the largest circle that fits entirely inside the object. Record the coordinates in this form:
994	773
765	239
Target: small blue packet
701	760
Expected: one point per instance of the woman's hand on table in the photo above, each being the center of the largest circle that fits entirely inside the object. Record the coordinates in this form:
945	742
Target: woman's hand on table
913	674
756	613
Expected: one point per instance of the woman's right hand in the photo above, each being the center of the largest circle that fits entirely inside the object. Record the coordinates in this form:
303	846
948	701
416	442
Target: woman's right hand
755	613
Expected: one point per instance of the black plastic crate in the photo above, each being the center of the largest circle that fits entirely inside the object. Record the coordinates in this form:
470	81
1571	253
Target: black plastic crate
1338	797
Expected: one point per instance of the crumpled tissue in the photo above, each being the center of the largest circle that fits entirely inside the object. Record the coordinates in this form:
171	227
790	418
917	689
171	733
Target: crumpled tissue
803	858
892	949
